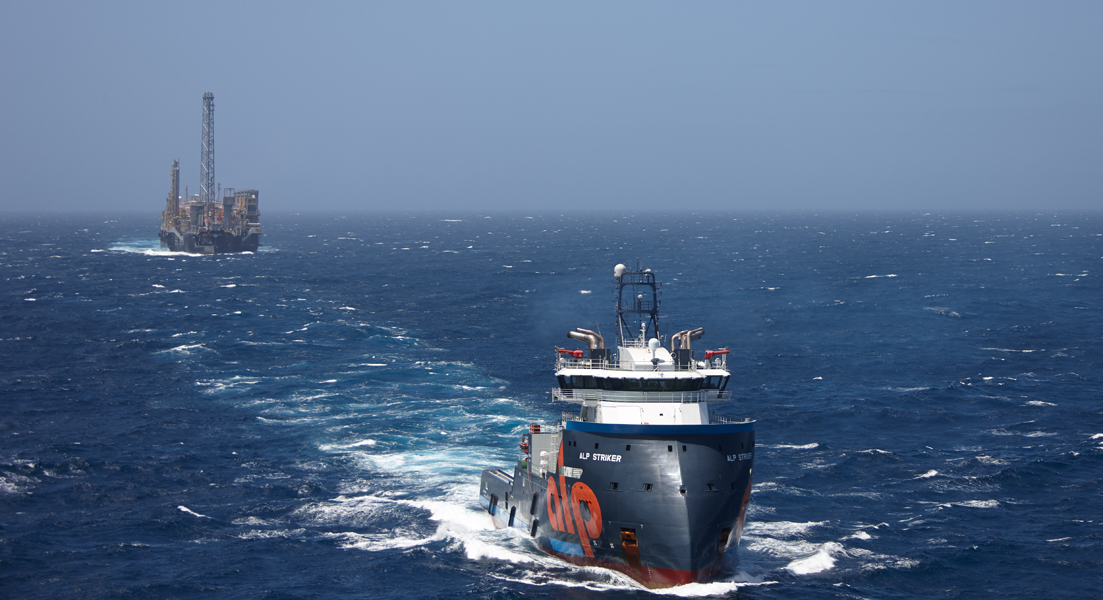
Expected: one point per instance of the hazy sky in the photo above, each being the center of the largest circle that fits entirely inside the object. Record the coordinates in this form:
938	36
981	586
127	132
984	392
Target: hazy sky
556	105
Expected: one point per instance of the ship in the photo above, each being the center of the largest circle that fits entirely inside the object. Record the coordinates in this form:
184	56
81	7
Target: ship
204	223
644	478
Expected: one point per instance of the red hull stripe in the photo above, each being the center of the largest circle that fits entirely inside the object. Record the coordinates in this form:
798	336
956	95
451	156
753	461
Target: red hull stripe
652	577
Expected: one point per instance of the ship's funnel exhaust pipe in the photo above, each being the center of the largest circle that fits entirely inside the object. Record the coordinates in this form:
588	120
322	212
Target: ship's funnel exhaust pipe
582	337
683	338
592	339
597	336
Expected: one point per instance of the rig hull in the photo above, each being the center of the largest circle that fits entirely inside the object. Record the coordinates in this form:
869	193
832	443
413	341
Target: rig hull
218	242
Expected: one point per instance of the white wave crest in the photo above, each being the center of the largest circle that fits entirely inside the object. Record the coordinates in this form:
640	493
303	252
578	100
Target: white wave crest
978	503
187	348
819	562
191	512
872	561
14	484
267	534
1032	434
254	522
377	542
782	529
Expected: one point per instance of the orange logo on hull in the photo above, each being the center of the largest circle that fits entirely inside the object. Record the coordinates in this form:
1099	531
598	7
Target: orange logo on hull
742	511
565	508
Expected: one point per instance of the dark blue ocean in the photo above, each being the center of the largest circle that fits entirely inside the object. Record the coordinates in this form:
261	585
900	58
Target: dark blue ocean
310	421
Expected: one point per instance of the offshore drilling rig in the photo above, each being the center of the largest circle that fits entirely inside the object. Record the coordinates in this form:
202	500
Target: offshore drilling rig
202	224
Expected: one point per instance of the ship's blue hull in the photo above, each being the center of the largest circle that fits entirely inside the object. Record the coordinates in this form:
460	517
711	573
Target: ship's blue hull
660	503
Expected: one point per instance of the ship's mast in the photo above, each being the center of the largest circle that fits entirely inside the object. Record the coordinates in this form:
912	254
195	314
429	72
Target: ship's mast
206	156
638	302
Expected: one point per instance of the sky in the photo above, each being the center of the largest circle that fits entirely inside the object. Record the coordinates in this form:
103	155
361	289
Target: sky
556	106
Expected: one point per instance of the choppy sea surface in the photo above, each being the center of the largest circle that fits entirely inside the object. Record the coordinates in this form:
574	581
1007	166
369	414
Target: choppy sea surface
310	421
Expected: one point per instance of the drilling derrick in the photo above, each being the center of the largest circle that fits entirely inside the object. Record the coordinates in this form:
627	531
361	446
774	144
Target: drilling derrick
206	159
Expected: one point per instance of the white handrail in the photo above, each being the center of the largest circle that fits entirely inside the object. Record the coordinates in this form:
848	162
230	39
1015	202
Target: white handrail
580	395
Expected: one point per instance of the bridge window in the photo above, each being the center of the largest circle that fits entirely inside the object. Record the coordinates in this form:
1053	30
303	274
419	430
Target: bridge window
651	385
584	382
589	382
715	382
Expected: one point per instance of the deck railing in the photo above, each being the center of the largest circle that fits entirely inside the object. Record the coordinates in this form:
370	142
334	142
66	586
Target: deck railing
578	395
714	419
564	361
